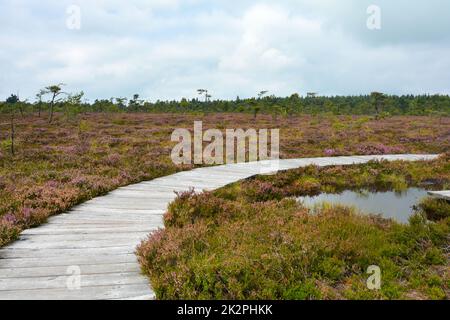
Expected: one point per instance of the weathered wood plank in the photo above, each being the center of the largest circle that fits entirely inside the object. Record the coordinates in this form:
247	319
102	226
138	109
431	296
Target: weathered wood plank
440	194
53	230
31	272
61	282
110	292
75	244
81	237
85	259
16	253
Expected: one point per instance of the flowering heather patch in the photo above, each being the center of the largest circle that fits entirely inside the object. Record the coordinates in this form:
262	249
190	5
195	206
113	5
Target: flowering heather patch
62	164
379	149
246	241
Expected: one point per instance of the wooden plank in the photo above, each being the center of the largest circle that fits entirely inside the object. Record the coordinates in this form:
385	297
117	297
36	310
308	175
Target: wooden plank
445	195
80	237
110	292
106	222
129	205
80	260
16	253
75	244
115	212
83	220
32	272
147	297
61	282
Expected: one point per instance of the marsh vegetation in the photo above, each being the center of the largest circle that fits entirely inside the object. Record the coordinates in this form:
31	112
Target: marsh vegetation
252	240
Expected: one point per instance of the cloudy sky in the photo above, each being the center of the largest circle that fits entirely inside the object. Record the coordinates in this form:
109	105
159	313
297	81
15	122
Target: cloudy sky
166	49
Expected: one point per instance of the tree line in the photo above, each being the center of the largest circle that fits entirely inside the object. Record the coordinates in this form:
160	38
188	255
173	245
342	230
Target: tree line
53	99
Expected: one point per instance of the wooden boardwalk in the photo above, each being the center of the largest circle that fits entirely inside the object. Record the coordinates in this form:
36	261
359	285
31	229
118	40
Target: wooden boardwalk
98	238
440	194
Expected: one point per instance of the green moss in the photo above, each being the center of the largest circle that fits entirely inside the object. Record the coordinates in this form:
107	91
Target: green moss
332	268
304	291
436	293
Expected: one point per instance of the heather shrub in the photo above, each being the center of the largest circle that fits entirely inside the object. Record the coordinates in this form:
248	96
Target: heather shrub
262	192
8	229
98	152
190	207
280	251
247	241
379	149
113	160
307	186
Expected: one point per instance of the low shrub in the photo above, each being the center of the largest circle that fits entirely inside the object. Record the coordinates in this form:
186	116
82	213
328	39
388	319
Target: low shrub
278	250
435	209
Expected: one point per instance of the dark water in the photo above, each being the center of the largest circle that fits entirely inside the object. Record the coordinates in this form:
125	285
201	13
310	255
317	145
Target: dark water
398	206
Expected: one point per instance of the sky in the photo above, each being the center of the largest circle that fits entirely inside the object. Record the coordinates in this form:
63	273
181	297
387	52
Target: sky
167	49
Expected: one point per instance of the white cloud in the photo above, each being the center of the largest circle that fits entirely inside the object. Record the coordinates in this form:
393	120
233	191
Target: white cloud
167	49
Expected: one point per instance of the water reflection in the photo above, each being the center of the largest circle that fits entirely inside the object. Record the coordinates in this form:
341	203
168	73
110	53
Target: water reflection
395	205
